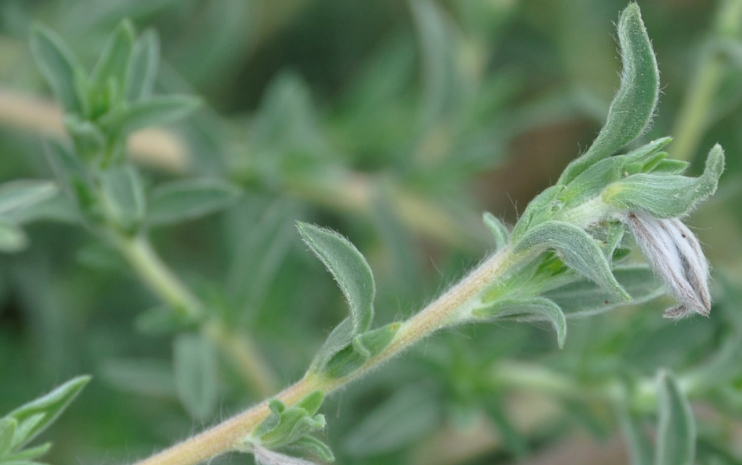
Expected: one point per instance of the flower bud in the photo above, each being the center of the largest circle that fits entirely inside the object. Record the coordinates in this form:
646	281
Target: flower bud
675	254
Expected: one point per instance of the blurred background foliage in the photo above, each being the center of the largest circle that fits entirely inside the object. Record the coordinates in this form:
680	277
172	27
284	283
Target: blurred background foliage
397	124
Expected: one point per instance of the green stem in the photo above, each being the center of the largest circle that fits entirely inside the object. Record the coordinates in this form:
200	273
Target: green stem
695	113
440	313
163	282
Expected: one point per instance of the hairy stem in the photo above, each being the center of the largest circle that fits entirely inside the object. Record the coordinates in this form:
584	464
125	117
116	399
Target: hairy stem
439	314
695	114
163	282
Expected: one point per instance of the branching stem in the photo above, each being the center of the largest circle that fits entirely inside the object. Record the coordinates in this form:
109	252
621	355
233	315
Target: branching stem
440	313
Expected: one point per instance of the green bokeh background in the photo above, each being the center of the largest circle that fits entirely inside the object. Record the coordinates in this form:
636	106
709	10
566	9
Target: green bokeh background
396	123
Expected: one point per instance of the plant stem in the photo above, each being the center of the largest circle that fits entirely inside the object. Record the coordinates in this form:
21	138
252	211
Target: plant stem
163	282
695	114
440	313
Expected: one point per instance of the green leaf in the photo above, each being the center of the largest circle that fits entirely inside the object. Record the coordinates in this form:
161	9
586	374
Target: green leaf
114	58
8	426
576	248
180	201
71	175
373	342
142	70
155	111
162	320
89	141
591	182
28	454
640	448
634	104
12	237
22	194
124	196
141	377
57	64
513	441
664	196
676	435
539	209
671	167
55	208
407	415
312	402
349	268
50	405
25	428
585	298
309	445
196	375
535	308
499	231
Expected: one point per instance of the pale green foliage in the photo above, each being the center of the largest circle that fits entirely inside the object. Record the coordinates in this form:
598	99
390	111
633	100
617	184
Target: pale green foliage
676	437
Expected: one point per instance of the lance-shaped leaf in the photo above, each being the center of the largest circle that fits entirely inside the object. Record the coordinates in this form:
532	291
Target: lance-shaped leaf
153	111
57	64
664	196
8	426
583	298
196	374
21	194
40	413
676	436
633	106
180	201
124	193
499	231
142	69
114	58
535	308
347	359
576	248
640	448
350	270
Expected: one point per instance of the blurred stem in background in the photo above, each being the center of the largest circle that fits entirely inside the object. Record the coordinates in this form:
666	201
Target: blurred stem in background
138	252
348	191
697	112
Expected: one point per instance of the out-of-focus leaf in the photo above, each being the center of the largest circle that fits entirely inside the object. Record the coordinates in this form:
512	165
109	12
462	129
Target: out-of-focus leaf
640	448
23	194
186	200
155	111
12	237
57	64
114	58
406	416
124	193
8	426
196	374
142	70
584	298
676	435
140	377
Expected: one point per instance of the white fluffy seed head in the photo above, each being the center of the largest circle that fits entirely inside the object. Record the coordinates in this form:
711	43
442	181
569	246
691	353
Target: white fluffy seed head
676	257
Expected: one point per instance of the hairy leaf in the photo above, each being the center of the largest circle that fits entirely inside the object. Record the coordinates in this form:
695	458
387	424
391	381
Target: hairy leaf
633	106
499	231
664	196
528	309
577	249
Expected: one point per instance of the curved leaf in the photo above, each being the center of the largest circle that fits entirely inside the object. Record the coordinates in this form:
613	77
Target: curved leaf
527	310
676	437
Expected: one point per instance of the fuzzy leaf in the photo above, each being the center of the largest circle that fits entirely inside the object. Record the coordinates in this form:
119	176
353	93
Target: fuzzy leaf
180	201
373	342
525	310
196	376
584	298
50	406
577	249
57	64
142	69
664	196
633	106
349	268
499	231
312	402
676	436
